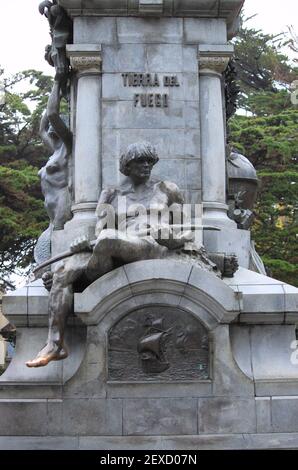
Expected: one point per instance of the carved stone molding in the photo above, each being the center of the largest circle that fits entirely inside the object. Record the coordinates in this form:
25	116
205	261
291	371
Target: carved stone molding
85	58
206	8
214	58
151	6
86	64
216	64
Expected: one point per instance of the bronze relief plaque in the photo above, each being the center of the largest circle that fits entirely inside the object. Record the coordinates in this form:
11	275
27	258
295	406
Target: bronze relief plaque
158	344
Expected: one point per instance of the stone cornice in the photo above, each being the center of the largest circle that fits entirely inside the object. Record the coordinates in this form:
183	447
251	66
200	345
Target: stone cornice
213	64
85	59
228	9
151	6
214	59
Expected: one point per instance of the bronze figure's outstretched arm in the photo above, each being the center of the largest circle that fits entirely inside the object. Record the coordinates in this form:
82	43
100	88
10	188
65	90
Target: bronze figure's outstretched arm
53	114
43	132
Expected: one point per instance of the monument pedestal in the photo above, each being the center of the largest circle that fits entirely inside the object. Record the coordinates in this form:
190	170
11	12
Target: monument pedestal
163	353
243	397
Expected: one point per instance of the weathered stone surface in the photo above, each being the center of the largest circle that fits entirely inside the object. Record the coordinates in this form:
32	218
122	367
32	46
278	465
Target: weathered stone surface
100	417
227	376
186	144
118	59
263	298
150	58
88	143
291	299
226	415
271	353
15	303
241	347
285	388
90	30
216	289
151	269
23	417
39	443
263	410
200	31
203	442
119	115
158	390
175	169
150	30
267	355
285	414
160	416
193	175
245	277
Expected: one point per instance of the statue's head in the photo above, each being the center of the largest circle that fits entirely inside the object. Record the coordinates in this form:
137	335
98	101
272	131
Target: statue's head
138	160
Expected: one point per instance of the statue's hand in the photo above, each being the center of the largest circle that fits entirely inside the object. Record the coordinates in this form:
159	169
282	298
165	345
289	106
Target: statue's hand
47	280
166	236
80	244
186	236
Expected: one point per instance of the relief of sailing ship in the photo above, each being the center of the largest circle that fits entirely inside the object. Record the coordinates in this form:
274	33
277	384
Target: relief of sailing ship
151	347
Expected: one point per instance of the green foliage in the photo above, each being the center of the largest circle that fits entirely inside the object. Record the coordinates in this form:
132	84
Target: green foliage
22	214
282	269
262	67
268	137
269	142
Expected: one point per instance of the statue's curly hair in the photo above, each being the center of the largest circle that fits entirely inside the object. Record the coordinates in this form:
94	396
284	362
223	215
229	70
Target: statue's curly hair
135	152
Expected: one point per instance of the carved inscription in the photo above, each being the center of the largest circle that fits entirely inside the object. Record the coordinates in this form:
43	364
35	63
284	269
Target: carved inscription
150	80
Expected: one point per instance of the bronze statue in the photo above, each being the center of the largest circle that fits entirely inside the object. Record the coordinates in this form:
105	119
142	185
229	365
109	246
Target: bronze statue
54	175
113	247
61	34
243	187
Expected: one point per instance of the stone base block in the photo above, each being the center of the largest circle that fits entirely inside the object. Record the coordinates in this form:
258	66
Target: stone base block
230	379
269	441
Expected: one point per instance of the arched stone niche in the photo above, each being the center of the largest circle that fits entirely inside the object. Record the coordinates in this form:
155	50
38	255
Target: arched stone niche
177	295
158	282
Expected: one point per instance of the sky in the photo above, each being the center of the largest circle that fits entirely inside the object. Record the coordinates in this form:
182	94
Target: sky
24	33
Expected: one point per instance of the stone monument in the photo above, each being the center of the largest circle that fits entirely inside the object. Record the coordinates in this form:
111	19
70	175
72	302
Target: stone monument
165	332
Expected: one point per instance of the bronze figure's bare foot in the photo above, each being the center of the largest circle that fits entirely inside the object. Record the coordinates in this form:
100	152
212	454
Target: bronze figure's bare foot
43	359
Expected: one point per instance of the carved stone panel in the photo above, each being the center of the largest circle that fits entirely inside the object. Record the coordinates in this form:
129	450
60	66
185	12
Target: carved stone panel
158	344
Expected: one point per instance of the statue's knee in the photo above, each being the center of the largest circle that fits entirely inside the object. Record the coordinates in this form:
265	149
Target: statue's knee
63	275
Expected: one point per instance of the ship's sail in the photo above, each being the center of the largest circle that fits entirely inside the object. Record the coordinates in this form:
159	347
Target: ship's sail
151	343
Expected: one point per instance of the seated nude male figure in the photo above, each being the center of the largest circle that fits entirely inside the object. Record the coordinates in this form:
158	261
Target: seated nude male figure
127	243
